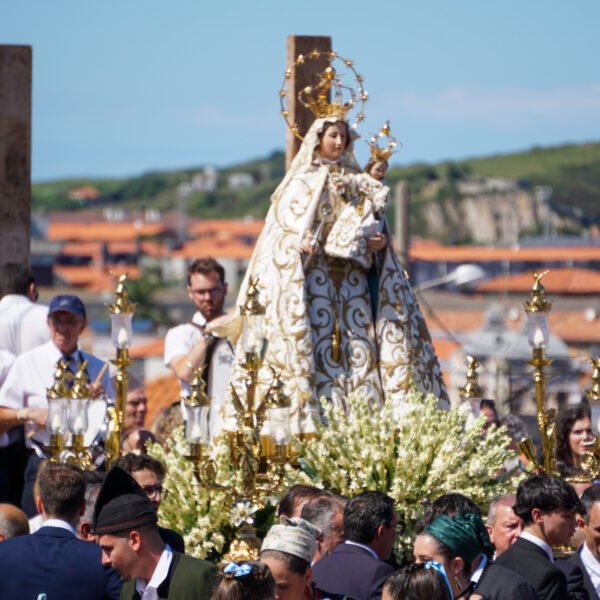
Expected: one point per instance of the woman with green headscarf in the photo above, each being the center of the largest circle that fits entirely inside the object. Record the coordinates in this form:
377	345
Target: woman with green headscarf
458	544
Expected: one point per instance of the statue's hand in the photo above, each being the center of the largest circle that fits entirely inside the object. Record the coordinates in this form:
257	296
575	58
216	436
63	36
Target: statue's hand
377	242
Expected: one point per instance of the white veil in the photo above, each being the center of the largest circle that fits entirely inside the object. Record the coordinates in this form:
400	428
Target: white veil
303	160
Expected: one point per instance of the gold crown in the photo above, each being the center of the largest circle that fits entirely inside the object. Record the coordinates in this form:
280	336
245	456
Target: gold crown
318	97
378	153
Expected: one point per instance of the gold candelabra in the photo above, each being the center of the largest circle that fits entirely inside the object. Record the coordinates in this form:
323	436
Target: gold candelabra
121	313
67	415
537	309
472	392
261	459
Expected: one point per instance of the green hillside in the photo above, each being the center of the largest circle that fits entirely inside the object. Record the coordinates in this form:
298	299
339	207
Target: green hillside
573	171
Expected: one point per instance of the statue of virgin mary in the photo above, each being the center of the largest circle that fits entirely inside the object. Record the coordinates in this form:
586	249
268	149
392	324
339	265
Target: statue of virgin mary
340	315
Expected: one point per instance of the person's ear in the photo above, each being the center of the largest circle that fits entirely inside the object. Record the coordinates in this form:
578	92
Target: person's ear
135	540
537	516
39	506
490	531
85	529
457	565
32	292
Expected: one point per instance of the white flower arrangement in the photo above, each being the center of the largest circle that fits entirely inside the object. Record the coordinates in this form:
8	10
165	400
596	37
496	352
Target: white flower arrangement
208	519
424	454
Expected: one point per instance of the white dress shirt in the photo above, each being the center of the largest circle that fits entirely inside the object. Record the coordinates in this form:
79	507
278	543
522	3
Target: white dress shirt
23	324
526	535
149	590
592	566
60	524
32	374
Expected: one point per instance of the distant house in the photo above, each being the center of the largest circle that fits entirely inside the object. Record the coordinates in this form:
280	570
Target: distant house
239	181
84	193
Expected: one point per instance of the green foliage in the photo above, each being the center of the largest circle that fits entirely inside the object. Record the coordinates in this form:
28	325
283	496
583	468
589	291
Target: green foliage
573	171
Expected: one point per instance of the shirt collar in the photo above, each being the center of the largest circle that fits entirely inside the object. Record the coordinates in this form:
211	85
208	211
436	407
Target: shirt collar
527	535
13	299
590	561
476	576
160	574
367	548
199	318
60	524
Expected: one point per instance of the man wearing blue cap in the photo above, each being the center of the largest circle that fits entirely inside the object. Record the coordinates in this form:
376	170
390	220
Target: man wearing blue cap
23	394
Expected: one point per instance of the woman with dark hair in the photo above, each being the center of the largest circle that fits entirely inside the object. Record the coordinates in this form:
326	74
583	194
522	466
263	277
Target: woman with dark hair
288	550
456	543
418	581
574	438
250	580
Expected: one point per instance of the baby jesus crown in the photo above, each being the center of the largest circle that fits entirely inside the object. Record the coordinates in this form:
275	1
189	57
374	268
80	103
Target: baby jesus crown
378	153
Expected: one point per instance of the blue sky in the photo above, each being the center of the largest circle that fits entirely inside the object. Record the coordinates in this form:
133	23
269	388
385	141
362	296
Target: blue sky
125	86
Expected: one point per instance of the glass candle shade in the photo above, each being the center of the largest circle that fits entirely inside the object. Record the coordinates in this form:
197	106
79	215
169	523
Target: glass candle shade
121	332
78	416
538	333
279	425
252	333
196	426
57	415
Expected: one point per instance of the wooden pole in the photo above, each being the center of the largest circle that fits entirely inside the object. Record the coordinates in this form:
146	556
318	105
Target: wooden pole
302	44
402	210
15	154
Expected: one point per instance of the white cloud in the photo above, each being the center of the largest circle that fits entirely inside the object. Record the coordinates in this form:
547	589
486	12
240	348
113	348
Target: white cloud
506	107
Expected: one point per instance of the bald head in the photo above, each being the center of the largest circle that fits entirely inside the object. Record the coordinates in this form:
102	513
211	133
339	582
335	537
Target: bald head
13	522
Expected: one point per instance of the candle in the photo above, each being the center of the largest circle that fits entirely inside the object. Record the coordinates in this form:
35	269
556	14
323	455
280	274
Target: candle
79	424
123	338
56	423
196	433
538	337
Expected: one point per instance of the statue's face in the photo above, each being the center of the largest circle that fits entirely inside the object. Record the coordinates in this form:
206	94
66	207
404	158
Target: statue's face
378	169
333	141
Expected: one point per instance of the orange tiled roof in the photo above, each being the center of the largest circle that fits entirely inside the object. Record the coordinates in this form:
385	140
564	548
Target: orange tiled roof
93	278
86	192
231	248
434	252
161	393
557	281
102	231
571	326
226	227
155	347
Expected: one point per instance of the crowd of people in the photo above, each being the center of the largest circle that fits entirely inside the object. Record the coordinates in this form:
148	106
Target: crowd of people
99	537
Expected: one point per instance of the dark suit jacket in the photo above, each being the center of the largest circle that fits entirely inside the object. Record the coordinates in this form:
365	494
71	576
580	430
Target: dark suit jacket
575	585
498	583
587	582
351	571
188	579
53	561
532	563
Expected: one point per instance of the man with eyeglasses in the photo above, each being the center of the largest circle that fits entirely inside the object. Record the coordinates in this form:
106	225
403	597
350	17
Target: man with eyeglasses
191	345
23	395
149	474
